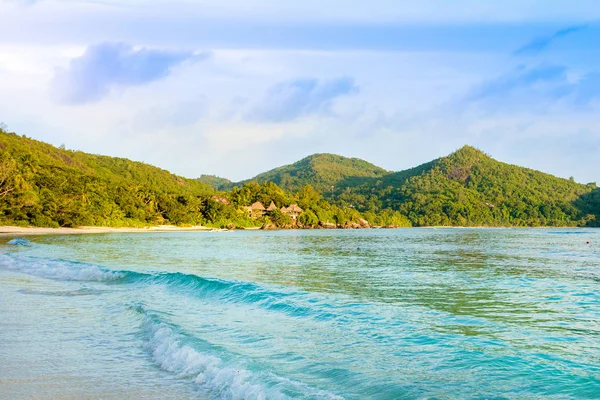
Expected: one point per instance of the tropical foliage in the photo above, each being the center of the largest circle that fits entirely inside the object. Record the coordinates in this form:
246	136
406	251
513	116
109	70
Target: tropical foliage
43	185
322	171
469	188
466	188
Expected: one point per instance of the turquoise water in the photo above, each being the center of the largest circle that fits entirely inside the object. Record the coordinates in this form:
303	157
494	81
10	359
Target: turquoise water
382	314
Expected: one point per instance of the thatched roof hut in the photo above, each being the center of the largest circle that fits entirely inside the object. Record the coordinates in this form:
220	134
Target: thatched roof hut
293	210
255	210
258	206
272	206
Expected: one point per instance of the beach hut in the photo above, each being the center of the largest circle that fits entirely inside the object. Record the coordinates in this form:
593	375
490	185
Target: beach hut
293	210
256	210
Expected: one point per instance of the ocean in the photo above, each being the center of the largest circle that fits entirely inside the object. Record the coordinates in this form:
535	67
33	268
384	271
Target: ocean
324	314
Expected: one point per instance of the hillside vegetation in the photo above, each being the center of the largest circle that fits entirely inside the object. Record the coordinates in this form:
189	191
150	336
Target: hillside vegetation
466	188
321	171
46	186
215	182
42	185
469	188
56	187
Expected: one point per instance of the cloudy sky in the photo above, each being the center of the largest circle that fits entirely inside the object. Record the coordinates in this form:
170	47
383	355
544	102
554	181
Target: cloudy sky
233	88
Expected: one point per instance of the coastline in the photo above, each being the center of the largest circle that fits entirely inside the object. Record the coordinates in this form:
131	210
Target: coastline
84	230
28	231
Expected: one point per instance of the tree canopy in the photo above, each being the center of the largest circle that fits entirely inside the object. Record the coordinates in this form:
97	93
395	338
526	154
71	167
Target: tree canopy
43	185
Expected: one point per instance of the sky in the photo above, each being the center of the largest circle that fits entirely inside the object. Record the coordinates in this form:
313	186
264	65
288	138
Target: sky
234	88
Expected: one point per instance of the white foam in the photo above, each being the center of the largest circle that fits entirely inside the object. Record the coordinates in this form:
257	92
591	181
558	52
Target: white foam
217	378
209	372
56	269
19	242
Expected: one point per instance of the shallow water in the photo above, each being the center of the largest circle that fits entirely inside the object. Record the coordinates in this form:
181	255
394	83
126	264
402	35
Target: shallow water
386	314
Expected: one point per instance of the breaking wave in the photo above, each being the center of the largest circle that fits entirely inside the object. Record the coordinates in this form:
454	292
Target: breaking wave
19	242
60	269
219	376
282	300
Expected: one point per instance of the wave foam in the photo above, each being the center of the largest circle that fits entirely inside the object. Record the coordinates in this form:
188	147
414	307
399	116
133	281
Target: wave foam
209	372
58	269
19	242
282	301
171	352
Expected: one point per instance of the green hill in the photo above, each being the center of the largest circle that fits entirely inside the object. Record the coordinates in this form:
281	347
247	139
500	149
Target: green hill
469	188
321	171
47	186
215	181
466	188
42	185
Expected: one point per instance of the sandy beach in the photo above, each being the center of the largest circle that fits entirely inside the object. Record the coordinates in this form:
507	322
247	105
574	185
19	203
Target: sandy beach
17	230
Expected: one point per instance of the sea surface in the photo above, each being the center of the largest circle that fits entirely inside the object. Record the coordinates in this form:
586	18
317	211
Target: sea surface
328	314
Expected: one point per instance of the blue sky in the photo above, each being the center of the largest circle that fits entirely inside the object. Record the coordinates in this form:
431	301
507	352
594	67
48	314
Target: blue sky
236	87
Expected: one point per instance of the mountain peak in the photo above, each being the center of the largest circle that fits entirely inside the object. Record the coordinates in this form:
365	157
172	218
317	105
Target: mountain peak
321	170
331	157
465	157
469	151
214	181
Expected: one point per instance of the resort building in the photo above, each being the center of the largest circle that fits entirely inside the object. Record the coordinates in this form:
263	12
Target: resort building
293	210
255	210
272	207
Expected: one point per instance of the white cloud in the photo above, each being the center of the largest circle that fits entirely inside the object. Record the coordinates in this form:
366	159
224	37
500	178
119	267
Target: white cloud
412	77
106	66
300	97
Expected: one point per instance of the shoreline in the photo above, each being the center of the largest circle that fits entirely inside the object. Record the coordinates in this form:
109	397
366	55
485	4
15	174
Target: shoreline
28	231
84	230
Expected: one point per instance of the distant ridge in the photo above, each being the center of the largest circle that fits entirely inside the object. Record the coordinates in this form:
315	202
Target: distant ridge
321	171
469	188
42	185
465	188
215	182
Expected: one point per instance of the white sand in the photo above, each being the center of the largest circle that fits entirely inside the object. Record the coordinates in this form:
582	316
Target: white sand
17	230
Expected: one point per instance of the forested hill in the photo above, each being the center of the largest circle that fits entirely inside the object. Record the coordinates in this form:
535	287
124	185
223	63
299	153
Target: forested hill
321	171
47	186
466	188
469	188
42	185
215	181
